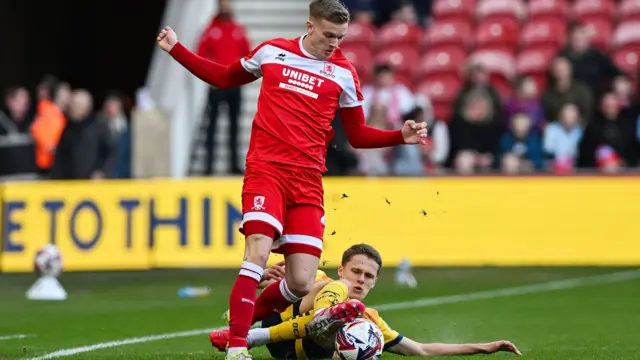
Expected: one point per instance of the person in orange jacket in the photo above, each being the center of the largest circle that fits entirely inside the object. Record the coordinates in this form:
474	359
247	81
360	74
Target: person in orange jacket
49	124
224	42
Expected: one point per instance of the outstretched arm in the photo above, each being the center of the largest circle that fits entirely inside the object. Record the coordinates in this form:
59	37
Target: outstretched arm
220	76
361	136
410	347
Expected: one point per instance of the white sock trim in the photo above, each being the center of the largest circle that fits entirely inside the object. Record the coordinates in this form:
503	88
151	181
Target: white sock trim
251	270
284	290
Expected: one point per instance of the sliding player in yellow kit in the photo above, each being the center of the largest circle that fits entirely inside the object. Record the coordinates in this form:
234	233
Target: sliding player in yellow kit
306	330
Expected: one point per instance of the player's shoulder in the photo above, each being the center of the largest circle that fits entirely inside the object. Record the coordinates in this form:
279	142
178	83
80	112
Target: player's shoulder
322	276
341	60
371	314
290	45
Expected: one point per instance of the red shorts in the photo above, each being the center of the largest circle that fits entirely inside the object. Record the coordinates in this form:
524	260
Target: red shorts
291	201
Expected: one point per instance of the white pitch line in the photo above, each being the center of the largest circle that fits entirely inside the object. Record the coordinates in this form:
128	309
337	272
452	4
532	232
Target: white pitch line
14	336
426	302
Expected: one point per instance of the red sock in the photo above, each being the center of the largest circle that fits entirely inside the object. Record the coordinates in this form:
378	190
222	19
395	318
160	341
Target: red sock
242	303
275	298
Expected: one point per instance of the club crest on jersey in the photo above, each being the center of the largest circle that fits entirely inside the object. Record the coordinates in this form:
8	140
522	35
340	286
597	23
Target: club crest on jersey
258	203
328	70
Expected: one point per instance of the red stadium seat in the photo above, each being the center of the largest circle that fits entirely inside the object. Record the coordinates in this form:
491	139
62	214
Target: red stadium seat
399	33
439	62
454	10
402	59
498	35
548	10
362	59
501	9
600	33
543	34
448	34
501	67
629	10
359	34
627	35
441	91
534	63
628	60
589	10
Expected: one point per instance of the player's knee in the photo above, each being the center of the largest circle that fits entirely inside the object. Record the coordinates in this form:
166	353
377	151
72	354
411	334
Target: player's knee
300	284
258	248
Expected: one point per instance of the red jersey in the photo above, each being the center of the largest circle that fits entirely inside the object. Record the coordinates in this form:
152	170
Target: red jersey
298	101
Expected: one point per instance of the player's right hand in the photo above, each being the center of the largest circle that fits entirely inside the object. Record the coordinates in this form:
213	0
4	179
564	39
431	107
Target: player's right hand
167	39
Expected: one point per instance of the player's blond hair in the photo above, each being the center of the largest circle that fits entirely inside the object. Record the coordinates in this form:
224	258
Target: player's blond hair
333	11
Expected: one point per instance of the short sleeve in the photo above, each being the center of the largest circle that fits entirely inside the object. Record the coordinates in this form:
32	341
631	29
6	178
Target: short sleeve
391	337
253	62
351	94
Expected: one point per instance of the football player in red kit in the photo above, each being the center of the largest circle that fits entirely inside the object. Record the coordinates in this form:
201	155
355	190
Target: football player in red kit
304	82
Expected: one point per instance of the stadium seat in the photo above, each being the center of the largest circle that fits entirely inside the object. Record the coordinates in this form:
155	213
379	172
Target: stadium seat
534	63
402	59
543	34
441	91
448	34
628	60
627	35
362	59
590	10
501	67
600	32
548	10
442	62
398	33
359	34
500	9
629	10
498	34
454	10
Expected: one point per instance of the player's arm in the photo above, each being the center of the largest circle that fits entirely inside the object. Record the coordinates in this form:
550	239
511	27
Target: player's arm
410	347
360	135
220	76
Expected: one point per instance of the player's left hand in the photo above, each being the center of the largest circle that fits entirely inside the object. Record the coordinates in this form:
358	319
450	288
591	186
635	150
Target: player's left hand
502	345
414	133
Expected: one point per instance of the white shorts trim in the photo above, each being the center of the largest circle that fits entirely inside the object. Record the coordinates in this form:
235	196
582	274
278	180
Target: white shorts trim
262	216
298	239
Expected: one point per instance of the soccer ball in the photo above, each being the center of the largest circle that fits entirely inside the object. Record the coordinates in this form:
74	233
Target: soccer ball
48	261
359	340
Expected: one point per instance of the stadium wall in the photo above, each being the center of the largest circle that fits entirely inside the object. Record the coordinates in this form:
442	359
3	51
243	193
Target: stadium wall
144	224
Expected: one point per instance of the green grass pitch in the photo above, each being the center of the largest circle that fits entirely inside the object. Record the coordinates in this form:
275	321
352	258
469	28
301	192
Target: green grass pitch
594	321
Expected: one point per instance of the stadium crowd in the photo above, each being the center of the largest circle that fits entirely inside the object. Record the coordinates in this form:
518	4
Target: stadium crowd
505	85
69	138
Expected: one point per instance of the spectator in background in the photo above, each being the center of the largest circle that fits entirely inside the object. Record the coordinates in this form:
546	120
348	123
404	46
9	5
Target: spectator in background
114	117
15	115
590	65
561	139
45	88
623	90
417	161
85	148
477	80
224	42
609	142
526	100
562	89
521	148
396	98
475	134
375	162
49	125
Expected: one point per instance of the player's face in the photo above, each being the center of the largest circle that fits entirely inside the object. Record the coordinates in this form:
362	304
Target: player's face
362	272
325	36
